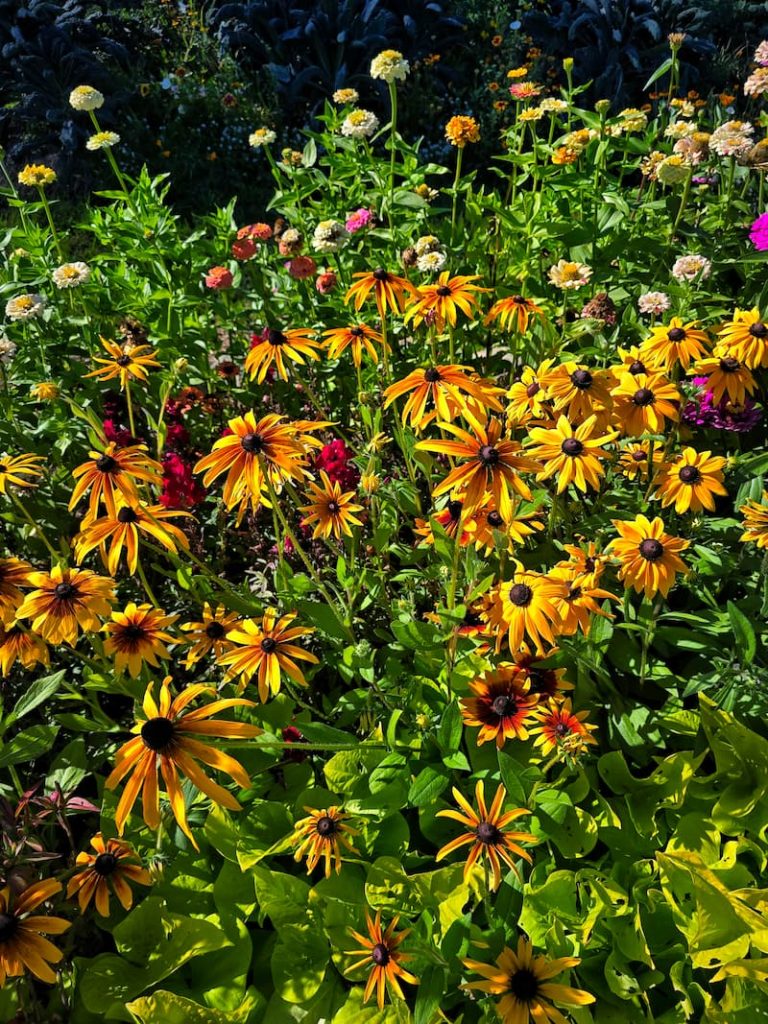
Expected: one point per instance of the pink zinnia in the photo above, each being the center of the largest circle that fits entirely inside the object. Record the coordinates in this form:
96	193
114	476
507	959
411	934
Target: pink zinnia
758	233
219	277
359	219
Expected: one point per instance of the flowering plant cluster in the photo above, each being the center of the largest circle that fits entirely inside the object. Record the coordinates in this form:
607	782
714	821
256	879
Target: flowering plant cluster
382	600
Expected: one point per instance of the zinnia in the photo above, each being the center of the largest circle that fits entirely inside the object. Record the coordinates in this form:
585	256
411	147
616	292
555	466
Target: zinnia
219	278
758	233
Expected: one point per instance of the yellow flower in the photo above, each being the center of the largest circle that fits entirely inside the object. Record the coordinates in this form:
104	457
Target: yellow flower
692	481
102	140
461	130
37	176
517	72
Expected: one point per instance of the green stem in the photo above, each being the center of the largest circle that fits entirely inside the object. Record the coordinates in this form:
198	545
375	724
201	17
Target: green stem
683	203
35	526
129	403
392	137
145	583
456	180
49	215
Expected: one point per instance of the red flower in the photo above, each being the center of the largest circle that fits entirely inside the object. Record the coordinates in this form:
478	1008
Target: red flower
243	249
336	459
259	232
181	488
119	435
219	278
177	436
301	267
326	282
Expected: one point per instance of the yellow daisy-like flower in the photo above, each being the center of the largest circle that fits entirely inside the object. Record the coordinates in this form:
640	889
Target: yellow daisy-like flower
440	301
358	338
746	338
209	636
755	521
137	635
64	601
643	403
265	649
380	951
278	346
675	342
640	461
388	289
45	391
727	377
20	471
527	606
23	946
650	558
513	313
571	453
123	530
528	398
579	392
127	362
111	477
112	866
19	644
441	391
37	176
331	510
560	728
323	835
691	482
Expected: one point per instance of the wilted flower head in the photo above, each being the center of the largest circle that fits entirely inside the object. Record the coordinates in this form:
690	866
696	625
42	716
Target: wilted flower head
326	281
85	97
654	303
329	236
427	243
70	275
7	350
346	96
291	157
37	176
24	307
460	130
45	391
301	267
359	124
426	193
676	39
261	137
390	66
102	140
732	138
568	274
758	233
601	307
649	165
290	242
689	268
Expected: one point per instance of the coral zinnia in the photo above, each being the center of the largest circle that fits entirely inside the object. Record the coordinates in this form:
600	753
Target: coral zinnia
573	453
650	558
323	834
168	740
522	982
501	707
692	481
108	868
380	952
65	600
22	945
487	832
265	649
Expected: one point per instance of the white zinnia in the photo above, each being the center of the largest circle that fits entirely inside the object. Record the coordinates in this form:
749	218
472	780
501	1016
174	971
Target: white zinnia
70	275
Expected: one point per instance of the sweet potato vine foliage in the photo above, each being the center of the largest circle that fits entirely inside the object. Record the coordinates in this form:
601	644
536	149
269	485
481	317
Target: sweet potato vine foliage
382	590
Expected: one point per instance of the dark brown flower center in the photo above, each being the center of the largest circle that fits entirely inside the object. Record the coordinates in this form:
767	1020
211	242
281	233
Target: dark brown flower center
124	360
758	330
494	519
380	274
454	510
520	594
729	365
443	291
158	733
637	367
431	375
127	515
333	508
471	619
106	464
689	474
133	631
65	591
252	443
542	680
105	864
276	337
519	300
356	332
326	826
533	389
561	729
651	549
489	456
581	379
572	446
8	926
524	985
503	705
268	644
487	833
639	455
214	631
643	396
380	955
676	334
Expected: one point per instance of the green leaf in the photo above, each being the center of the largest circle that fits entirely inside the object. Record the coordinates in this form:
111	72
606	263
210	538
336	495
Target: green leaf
746	641
426	787
299	961
662	69
28	745
168	1008
450	729
38	692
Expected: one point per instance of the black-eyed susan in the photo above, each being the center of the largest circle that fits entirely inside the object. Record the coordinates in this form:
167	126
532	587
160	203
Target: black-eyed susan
513	313
528	399
632	362
23	946
65	600
14	574
525	606
265	649
441	301
274	347
580	601
486	524
249	452
522	983
122	532
138	635
388	289
691	481
487	832
22	645
331	510
112	865
169	741
571	453
745	338
650	558
643	403
110	477
448	518
640	461
579	392
586	560
127	361
755	521
323	834
559	727
209	636
675	342
380	952
358	338
501	708
488	462
541	679
20	471
727	377
440	391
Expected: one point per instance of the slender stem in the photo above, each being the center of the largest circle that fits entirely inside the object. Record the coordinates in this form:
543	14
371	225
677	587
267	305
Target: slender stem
392	136
56	555
129	403
683	203
145	583
456	180
49	215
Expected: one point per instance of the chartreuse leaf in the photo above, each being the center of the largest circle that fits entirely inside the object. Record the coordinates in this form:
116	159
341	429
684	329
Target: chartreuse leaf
168	1008
283	898
666	786
555	896
742	762
299	961
353	1011
37	693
